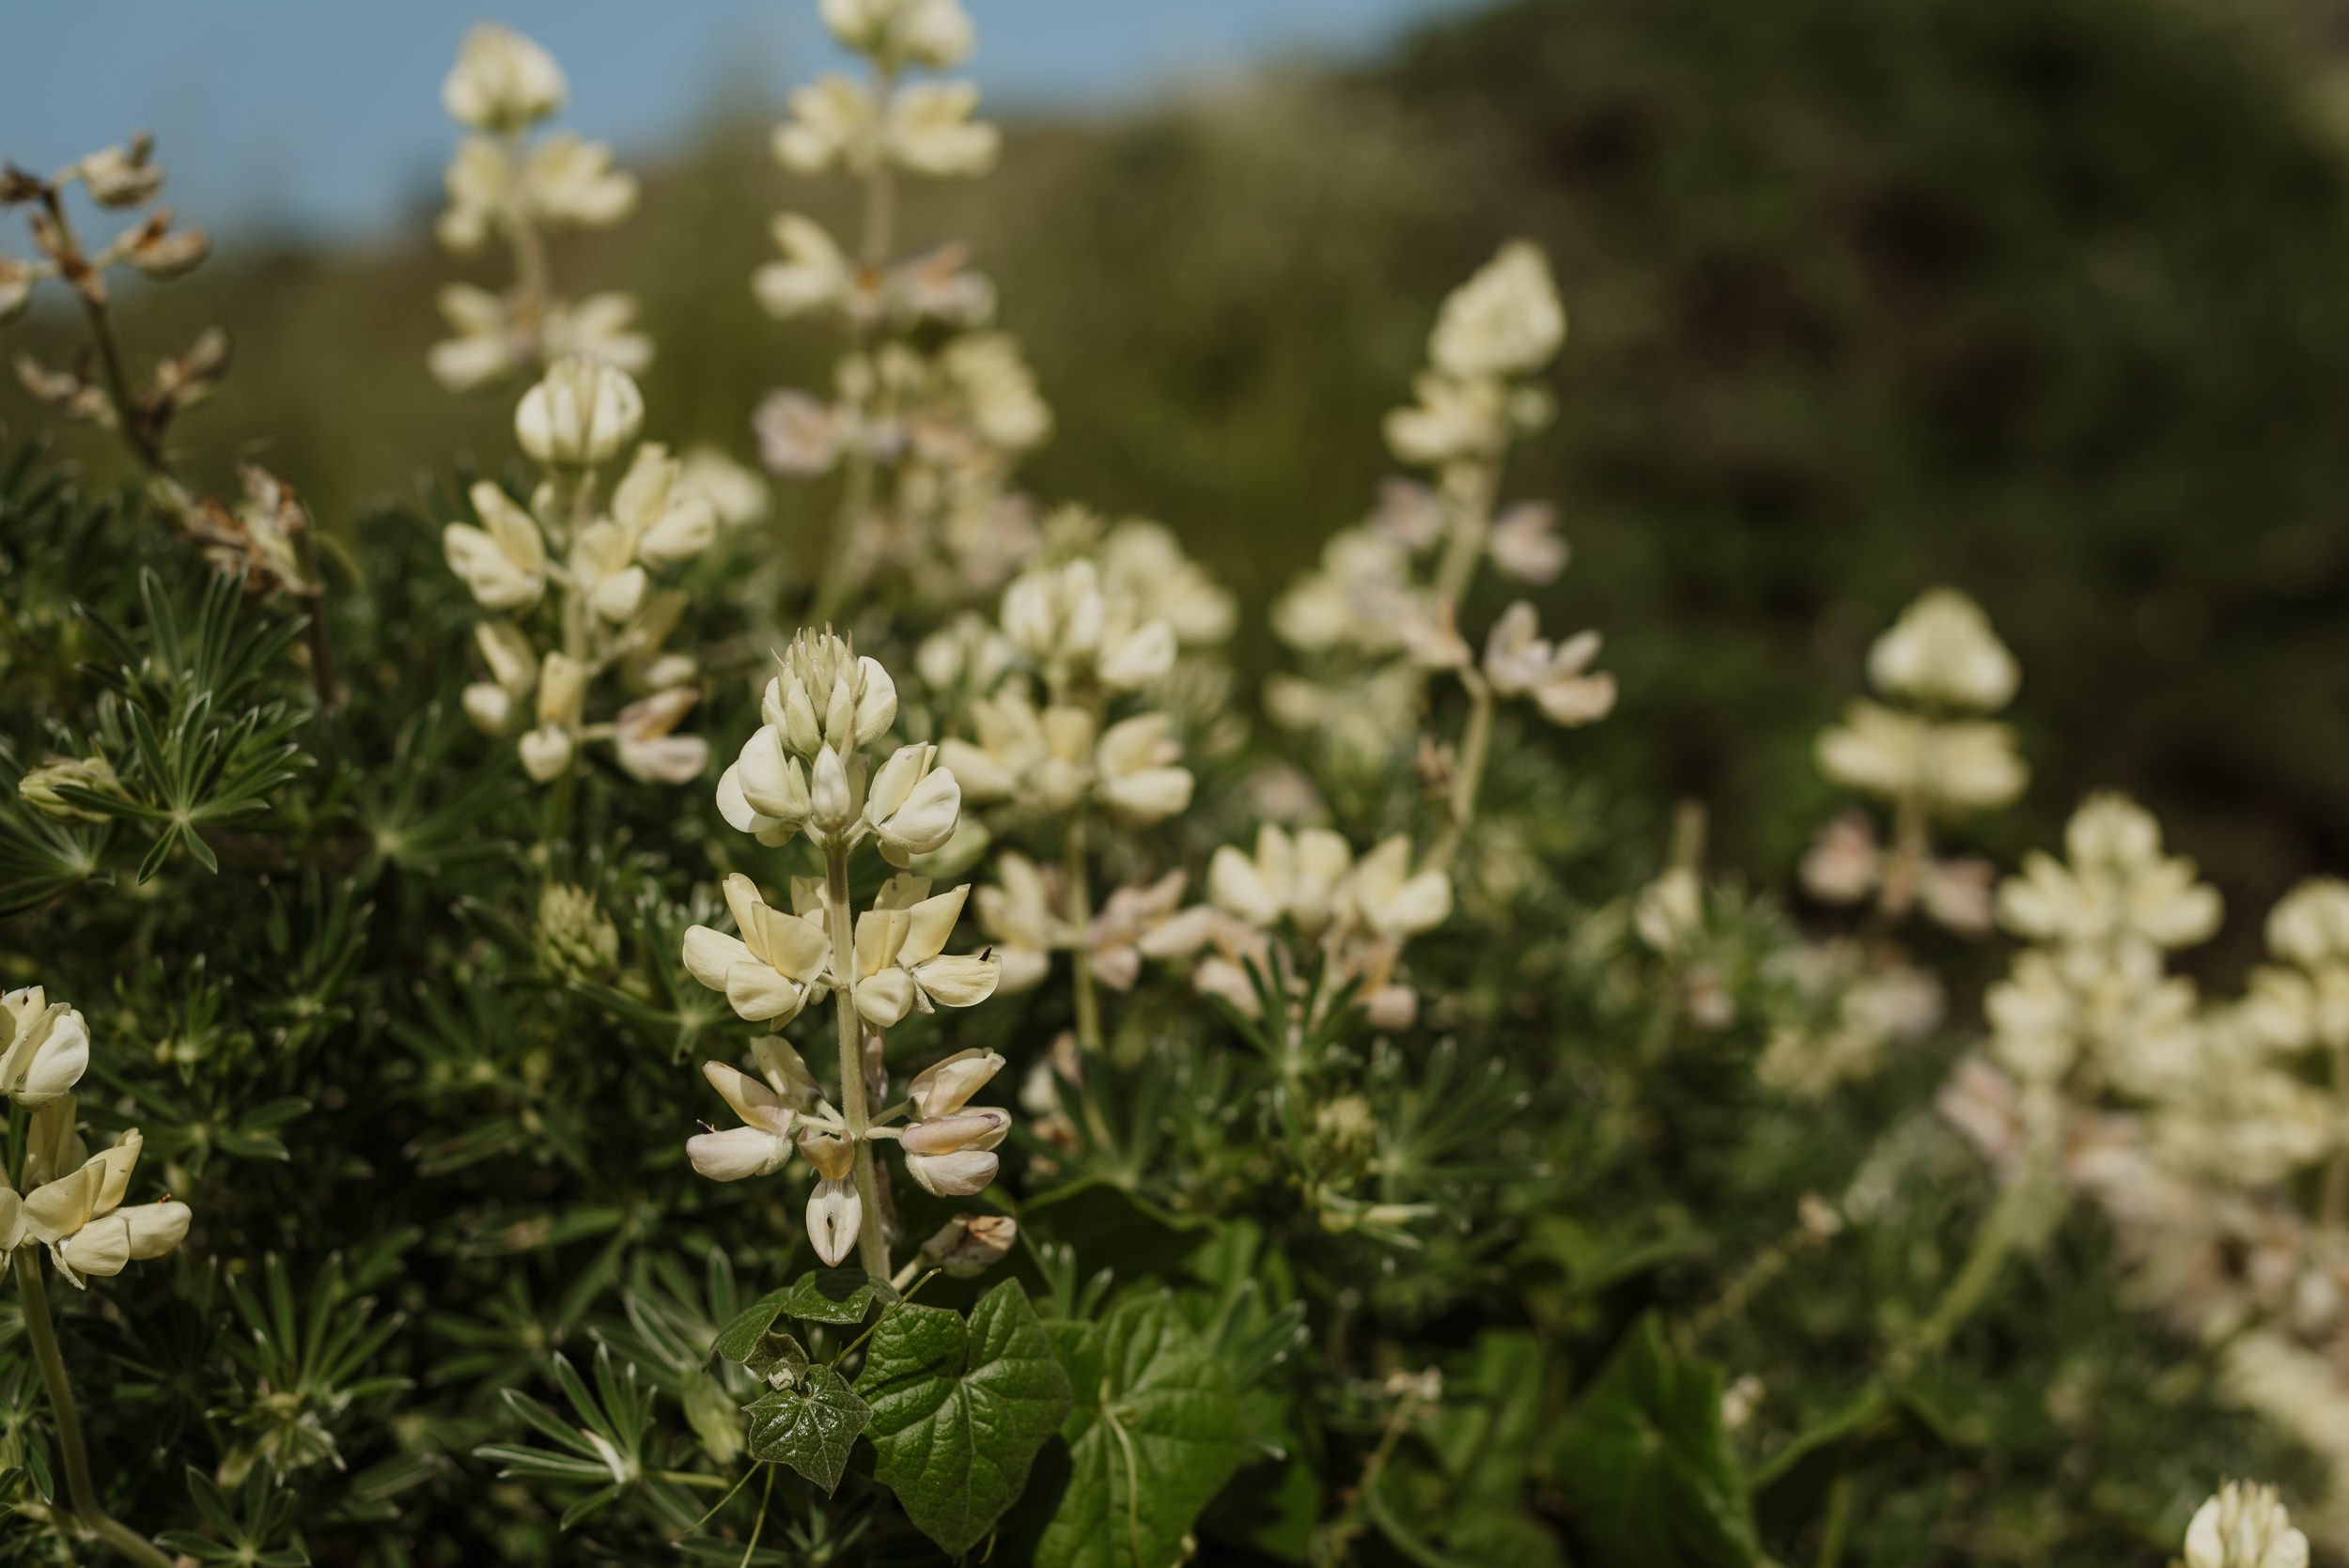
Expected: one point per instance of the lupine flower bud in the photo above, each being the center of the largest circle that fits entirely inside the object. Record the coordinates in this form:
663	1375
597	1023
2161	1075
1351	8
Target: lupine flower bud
824	695
1505	320
831	798
39	788
968	1245
582	413
2243	1526
834	1218
963	1161
122	176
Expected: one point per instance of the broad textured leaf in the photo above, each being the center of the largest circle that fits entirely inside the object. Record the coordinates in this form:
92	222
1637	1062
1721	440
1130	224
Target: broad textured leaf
1156	1431
810	1426
960	1410
1648	1467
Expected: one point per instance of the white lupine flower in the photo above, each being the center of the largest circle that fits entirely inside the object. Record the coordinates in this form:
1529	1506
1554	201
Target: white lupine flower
1451	420
2117	890
1383	894
513	671
1142	560
833	123
1061	617
813	274
1942	653
763	1144
669	521
969	652
1145	921
952	1157
1023	924
1505	320
603	565
44	1047
774	968
764	793
79	1215
1518	661
493	339
642	742
502	81
946	1086
580	413
2243	1526
739	494
998	390
800	436
900	954
1524	542
927	129
835	1218
913	804
1357	598
1298	879
1967	766
548	749
1137	781
505	560
2310	926
563	182
934	34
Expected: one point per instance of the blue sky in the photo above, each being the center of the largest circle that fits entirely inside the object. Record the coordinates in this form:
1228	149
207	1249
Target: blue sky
323	116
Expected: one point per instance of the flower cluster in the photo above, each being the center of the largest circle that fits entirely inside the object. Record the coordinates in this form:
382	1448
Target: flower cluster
804	772
930	408
598	552
64	1197
504	184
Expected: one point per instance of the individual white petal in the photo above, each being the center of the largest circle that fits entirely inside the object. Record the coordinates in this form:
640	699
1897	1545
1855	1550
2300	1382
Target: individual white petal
737	1152
944	1087
835	1218
955	1175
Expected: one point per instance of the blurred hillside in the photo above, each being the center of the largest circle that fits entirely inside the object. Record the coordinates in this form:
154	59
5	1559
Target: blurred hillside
2043	298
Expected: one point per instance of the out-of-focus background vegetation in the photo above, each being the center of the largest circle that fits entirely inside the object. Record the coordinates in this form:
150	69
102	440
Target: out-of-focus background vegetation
2048	299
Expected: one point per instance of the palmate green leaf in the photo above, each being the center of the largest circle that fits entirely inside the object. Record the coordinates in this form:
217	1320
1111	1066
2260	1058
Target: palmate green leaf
810	1425
959	1412
1156	1431
1648	1470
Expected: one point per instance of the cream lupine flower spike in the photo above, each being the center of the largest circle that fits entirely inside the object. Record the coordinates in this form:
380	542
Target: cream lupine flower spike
502	88
608	617
71	1200
803	771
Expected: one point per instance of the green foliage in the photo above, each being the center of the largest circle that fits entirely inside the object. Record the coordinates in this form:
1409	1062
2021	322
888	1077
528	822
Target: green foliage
959	1412
1644	1461
1155	1431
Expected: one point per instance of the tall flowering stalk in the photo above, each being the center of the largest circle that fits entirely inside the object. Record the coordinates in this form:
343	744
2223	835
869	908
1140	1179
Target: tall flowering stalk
804	772
929	413
507	182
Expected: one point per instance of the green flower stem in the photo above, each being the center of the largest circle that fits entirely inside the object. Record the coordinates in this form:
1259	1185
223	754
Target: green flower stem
872	1234
1081	917
79	1485
1468	771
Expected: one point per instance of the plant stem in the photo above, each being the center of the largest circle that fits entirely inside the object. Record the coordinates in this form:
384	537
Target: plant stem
1081	917
1467	768
79	1486
2335	1208
872	1235
1470	510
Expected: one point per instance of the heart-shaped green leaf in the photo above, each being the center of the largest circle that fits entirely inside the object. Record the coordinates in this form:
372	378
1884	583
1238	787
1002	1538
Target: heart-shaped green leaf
810	1425
959	1410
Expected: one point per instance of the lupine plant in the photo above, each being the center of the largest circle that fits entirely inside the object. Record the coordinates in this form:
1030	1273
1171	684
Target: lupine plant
1151	1107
